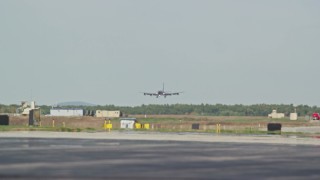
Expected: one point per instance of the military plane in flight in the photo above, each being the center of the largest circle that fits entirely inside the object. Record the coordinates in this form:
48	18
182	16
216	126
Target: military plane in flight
161	93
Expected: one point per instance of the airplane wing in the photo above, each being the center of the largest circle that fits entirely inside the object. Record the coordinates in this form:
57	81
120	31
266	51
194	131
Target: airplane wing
174	93
149	94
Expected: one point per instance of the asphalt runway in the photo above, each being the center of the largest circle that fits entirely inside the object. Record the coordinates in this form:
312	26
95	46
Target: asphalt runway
80	158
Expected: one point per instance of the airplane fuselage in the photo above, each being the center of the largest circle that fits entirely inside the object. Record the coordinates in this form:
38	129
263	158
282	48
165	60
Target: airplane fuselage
161	93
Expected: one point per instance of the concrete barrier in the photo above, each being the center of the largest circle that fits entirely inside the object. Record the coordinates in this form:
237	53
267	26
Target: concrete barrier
4	120
274	127
195	126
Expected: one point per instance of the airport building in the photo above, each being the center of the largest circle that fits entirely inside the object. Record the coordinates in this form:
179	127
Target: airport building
127	123
275	115
108	114
66	112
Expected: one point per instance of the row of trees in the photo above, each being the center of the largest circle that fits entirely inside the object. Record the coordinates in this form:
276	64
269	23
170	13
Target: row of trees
183	109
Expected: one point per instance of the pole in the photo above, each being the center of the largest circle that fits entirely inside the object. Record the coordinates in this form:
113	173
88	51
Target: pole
109	126
218	128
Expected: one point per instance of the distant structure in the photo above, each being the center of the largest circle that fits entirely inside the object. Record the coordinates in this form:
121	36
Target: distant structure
275	115
294	116
108	114
127	123
34	117
89	112
25	108
66	112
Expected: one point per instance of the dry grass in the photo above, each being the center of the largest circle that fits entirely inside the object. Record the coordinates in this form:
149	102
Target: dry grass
172	122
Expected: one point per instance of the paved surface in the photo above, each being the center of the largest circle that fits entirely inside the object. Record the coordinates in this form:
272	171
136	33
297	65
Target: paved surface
125	155
312	129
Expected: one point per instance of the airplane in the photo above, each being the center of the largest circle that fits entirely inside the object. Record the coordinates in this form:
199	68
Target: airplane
161	93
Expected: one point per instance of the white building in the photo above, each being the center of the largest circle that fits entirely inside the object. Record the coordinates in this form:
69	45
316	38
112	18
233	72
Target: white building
293	116
66	112
127	123
108	114
275	115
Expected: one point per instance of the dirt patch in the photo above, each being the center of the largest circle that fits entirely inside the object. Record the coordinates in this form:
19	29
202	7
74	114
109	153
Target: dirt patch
73	122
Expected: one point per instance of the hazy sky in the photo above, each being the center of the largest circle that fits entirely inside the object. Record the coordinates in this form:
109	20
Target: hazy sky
108	51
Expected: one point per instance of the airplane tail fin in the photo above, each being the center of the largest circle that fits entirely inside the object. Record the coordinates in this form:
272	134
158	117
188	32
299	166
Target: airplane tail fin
163	87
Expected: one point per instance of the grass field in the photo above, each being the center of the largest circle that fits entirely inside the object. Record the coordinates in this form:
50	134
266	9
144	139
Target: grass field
168	123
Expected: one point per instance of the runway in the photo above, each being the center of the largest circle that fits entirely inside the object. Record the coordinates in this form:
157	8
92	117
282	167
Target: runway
24	155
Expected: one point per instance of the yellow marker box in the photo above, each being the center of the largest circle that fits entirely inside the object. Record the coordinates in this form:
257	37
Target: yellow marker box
108	126
147	126
137	125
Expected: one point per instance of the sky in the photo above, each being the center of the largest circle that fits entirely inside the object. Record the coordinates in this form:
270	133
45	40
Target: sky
109	51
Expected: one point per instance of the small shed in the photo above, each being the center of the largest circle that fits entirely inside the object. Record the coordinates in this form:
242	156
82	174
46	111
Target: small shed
127	123
275	115
293	116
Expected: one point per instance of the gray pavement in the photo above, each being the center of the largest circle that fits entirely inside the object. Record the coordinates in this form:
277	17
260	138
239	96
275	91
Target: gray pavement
126	155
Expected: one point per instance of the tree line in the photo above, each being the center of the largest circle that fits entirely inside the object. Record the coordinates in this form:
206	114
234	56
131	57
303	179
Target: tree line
190	109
